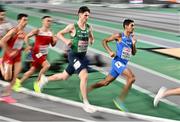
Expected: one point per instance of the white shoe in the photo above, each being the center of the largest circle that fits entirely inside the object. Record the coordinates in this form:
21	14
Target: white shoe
89	108
159	96
43	81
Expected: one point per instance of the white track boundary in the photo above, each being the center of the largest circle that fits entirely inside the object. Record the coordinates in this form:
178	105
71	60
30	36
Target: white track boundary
78	104
64	22
8	119
134	86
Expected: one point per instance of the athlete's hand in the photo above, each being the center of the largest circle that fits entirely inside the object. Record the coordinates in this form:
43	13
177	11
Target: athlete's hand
69	43
91	42
27	49
112	54
13	53
134	40
55	39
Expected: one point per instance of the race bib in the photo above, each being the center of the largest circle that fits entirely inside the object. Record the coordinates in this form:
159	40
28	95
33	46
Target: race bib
43	49
82	46
126	53
76	65
39	55
18	44
118	64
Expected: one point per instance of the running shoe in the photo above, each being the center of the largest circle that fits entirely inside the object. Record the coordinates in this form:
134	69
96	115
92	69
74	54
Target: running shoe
120	105
159	96
17	85
8	99
89	108
37	87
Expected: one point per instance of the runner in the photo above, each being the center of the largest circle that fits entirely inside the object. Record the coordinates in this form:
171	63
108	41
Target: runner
81	34
4	28
12	44
125	43
43	37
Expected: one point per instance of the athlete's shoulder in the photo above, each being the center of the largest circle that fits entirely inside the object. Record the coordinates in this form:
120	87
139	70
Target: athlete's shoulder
13	30
71	26
117	35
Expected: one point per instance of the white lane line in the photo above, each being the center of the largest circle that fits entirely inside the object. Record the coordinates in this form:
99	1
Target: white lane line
78	104
44	96
50	112
115	29
8	119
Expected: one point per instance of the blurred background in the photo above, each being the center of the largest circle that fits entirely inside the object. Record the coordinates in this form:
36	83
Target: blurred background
156	64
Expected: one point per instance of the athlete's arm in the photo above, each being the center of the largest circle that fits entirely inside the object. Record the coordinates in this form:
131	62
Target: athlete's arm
8	36
91	36
110	39
134	41
54	40
29	35
68	29
9	26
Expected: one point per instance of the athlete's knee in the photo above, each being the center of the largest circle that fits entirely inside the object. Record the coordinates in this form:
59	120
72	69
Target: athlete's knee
6	77
64	78
131	79
104	83
83	76
47	66
29	72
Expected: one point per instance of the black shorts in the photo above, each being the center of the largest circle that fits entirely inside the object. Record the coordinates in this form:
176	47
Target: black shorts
77	62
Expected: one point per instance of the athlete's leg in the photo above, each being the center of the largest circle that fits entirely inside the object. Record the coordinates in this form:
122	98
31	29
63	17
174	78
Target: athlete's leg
130	79
45	67
169	92
59	76
28	74
7	71
1	67
83	75
17	70
43	80
102	83
163	92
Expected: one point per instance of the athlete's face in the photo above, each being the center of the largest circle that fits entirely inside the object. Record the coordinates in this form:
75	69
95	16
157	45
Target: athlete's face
2	15
47	22
84	16
23	21
130	27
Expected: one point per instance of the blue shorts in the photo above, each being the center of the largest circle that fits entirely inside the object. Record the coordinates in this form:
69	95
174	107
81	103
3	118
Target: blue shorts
76	63
117	68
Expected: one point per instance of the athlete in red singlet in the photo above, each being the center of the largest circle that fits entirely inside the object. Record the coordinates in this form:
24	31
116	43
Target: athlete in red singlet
43	37
5	26
12	44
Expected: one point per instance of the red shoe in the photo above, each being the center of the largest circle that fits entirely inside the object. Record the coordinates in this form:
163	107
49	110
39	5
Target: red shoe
8	99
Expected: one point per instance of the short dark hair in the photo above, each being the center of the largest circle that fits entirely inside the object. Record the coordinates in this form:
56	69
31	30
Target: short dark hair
2	10
44	17
83	9
21	15
127	22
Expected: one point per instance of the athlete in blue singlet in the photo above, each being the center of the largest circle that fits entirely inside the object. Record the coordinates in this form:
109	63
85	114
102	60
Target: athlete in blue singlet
125	43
